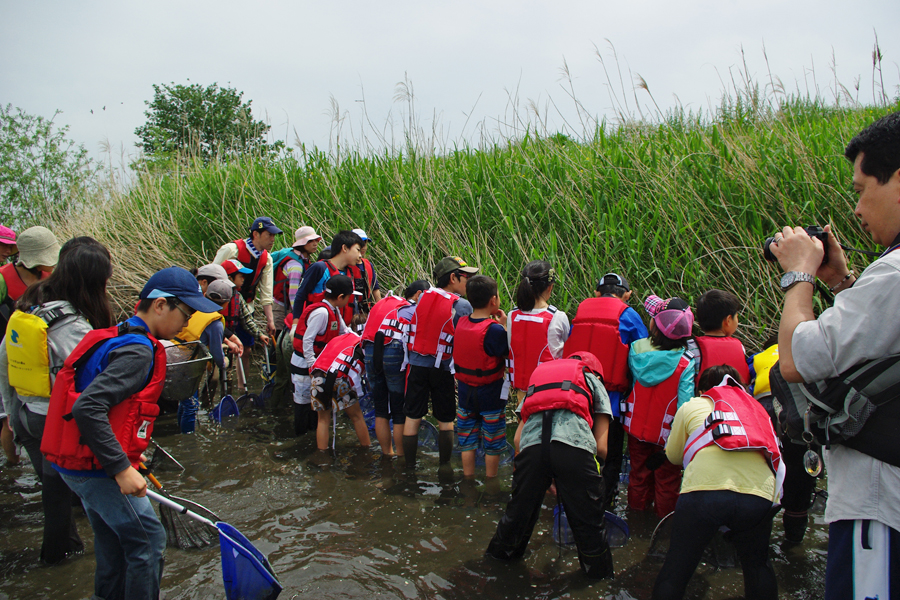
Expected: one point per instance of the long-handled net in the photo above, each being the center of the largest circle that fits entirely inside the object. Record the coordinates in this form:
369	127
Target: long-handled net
182	531
246	573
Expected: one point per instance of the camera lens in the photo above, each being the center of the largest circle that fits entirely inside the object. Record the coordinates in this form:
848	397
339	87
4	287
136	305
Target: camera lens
767	253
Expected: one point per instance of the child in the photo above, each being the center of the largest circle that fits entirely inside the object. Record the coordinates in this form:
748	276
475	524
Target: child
364	276
430	351
730	480
717	315
663	370
67	305
536	329
337	384
480	348
319	323
382	343
345	247
561	433
606	327
100	420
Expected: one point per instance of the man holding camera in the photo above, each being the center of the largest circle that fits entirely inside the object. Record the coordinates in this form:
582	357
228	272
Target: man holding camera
863	508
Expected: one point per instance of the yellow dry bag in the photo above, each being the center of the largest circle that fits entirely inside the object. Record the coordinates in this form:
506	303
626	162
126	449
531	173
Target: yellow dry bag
27	353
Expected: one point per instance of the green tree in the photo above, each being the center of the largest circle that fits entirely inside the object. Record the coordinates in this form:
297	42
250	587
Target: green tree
209	123
40	170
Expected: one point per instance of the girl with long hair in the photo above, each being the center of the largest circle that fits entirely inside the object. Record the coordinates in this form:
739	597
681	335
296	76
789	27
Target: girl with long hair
537	330
72	301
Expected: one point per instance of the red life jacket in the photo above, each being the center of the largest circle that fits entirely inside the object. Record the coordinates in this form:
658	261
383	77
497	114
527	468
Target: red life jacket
431	326
340	356
280	281
347	311
131	420
232	312
15	287
383	318
363	276
648	411
595	329
331	330
340	359
560	384
528	344
255	264
738	423
472	364
725	350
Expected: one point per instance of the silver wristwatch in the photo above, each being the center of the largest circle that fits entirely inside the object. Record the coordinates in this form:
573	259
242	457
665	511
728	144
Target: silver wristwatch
791	278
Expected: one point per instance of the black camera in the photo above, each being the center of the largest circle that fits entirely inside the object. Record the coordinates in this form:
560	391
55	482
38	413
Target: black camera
813	231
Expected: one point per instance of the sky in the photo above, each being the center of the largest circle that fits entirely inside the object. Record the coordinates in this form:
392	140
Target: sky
327	73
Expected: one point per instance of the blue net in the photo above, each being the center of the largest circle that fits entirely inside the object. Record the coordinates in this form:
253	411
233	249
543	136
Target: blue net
616	528
227	407
428	436
246	573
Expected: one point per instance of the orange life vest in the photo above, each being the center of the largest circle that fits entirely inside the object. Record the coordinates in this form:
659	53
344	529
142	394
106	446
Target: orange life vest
383	318
431	327
561	384
255	264
724	350
528	344
131	420
738	423
331	329
648	412
595	329
472	365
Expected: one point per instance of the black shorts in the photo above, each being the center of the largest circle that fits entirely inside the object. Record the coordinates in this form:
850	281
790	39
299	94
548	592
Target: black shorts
422	382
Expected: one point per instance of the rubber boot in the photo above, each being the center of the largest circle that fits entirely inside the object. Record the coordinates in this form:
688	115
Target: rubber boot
445	445
410	447
795	524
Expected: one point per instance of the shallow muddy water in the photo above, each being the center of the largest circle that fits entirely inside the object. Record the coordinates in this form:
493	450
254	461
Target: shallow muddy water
349	525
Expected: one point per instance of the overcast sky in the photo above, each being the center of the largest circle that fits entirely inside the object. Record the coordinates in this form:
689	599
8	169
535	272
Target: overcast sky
475	67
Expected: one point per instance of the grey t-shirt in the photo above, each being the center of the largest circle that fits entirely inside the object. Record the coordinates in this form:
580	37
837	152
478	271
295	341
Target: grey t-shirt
862	325
568	427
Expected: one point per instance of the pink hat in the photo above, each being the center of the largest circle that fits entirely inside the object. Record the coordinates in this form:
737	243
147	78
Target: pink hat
7	236
673	316
305	235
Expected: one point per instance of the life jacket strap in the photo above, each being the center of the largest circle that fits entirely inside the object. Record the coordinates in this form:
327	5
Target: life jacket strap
478	372
565	386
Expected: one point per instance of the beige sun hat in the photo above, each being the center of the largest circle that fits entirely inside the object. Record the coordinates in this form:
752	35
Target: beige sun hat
305	235
38	248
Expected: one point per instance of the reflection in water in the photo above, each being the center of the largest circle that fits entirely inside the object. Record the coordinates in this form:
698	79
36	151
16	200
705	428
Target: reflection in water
348	524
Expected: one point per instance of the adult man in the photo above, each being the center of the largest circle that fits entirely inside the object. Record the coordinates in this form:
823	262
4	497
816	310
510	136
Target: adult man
253	253
863	511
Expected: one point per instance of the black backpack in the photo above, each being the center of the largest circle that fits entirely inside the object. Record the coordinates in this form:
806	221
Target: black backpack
854	409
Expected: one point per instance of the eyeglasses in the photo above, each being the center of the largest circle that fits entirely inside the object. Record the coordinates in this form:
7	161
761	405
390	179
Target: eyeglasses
187	315
461	274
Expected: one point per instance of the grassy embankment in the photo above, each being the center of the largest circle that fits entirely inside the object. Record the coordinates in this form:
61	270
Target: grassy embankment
678	207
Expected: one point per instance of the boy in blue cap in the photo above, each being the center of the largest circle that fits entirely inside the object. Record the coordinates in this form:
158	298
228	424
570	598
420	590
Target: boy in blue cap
99	421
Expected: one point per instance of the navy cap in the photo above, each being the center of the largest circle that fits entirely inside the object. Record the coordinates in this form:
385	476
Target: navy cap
179	283
264	224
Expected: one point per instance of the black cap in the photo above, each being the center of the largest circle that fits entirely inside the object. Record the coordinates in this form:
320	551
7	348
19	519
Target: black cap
340	285
613	279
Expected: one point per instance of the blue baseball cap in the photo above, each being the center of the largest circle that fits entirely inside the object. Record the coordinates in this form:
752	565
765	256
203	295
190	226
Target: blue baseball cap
265	224
178	283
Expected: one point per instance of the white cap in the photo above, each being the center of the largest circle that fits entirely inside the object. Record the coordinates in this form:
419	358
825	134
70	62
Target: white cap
361	234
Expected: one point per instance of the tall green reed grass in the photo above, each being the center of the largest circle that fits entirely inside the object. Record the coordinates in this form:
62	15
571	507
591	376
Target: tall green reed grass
678	206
